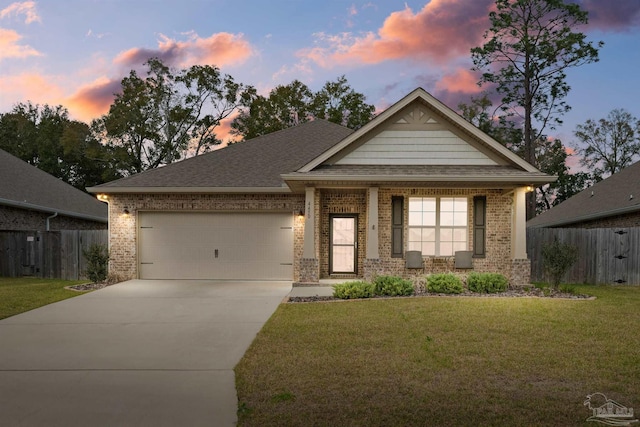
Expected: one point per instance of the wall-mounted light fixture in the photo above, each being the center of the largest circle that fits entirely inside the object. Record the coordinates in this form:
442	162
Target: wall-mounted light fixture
300	213
528	188
125	211
103	197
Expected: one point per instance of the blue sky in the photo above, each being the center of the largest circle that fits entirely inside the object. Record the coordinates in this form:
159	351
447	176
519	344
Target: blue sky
75	52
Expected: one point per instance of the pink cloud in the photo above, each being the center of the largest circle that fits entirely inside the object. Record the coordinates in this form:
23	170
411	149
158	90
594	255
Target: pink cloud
27	8
441	31
94	99
10	48
38	89
220	49
461	80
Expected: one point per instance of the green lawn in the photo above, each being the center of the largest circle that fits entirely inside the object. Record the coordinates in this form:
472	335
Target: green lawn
18	295
443	361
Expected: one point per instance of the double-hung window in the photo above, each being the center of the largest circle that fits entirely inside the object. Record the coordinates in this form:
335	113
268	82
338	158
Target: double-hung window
438	225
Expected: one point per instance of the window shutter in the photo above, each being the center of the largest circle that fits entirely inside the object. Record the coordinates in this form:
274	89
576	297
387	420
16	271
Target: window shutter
479	226
397	226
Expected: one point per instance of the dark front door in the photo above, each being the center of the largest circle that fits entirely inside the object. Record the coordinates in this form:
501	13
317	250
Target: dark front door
343	244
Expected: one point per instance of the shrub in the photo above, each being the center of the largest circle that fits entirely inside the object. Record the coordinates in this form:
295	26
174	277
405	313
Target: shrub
97	257
445	283
392	286
351	290
557	259
487	282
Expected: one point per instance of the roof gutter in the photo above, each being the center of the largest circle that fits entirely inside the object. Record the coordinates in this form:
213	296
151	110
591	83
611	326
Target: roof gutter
589	217
33	207
49	218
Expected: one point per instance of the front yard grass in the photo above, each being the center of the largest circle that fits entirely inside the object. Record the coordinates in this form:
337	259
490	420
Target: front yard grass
443	361
18	295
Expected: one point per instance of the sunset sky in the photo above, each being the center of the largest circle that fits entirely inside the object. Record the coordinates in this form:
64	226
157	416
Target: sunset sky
75	52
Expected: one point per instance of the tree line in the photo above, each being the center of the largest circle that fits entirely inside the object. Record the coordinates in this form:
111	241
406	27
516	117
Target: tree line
168	114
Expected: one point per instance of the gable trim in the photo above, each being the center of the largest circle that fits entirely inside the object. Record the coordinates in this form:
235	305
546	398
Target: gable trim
448	113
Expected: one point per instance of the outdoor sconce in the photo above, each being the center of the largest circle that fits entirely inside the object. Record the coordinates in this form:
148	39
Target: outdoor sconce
529	188
102	197
300	213
126	211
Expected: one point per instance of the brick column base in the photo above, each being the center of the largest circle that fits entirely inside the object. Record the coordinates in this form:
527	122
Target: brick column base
520	273
309	271
372	267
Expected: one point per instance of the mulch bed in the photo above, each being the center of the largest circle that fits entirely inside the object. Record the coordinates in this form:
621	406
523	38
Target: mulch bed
84	287
510	293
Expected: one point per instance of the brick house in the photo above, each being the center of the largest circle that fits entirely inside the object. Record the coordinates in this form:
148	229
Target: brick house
319	201
33	200
613	202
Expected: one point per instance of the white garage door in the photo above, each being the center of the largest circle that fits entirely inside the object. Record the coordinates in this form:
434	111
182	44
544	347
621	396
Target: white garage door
251	246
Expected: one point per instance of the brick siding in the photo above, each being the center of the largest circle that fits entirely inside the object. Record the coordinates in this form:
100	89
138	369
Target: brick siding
620	221
123	231
16	219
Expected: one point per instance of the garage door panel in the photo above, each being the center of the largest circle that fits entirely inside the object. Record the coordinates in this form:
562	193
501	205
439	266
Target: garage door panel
183	245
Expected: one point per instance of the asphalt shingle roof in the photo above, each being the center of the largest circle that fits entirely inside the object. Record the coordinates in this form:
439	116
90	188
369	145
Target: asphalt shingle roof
258	162
616	195
24	185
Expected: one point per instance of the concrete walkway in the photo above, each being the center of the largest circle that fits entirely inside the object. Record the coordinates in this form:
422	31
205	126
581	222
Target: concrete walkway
139	353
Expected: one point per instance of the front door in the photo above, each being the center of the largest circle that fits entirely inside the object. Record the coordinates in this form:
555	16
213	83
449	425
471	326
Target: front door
343	241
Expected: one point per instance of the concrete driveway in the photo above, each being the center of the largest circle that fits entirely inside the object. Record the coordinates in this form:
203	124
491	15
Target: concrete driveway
139	353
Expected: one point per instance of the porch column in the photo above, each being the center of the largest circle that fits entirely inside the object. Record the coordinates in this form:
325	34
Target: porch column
309	223
519	225
520	264
372	265
372	224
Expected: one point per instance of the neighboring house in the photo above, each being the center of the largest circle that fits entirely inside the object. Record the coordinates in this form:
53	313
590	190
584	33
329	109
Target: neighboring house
612	202
33	200
603	223
320	201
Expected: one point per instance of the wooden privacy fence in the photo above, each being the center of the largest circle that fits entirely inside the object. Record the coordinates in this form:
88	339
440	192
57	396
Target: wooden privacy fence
605	255
48	254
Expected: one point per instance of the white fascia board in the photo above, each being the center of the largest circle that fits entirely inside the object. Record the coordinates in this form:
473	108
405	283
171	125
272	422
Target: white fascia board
187	190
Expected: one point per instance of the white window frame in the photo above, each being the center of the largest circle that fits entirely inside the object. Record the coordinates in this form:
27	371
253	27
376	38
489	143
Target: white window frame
413	244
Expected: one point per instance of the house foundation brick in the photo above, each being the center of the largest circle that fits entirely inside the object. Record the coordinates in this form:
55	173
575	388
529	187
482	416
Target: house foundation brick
373	267
308	271
520	273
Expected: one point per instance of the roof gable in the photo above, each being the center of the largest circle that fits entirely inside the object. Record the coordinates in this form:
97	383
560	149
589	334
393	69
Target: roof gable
416	135
25	186
421	131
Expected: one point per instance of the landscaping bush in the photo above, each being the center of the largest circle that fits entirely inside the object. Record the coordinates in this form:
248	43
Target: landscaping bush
351	290
557	259
392	286
445	283
97	257
487	282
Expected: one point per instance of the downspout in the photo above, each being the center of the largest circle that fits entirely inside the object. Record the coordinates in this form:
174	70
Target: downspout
51	217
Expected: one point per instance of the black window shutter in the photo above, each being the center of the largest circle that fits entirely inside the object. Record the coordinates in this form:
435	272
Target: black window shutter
397	226
479	226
